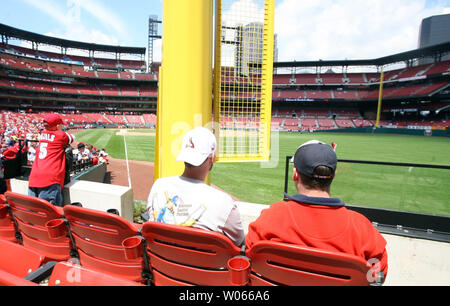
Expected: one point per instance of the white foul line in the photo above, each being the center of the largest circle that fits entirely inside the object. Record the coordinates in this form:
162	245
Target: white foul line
126	158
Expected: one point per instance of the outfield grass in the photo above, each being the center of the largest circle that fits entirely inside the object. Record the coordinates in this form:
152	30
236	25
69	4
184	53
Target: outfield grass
401	188
139	147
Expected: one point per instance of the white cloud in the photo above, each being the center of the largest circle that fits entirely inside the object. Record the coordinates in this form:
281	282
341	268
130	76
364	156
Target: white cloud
102	13
74	28
343	29
50	8
243	11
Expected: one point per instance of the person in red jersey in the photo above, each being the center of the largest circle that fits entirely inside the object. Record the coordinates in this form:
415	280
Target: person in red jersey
312	218
46	179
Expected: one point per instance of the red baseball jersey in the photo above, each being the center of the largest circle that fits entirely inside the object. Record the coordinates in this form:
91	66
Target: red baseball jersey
49	165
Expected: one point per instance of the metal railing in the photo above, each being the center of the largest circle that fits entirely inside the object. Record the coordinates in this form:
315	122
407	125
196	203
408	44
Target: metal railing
415	225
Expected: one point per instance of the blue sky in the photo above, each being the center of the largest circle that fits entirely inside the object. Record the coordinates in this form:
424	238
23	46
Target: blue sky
307	30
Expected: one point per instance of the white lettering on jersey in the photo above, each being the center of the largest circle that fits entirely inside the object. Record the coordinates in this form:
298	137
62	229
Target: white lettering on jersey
47	137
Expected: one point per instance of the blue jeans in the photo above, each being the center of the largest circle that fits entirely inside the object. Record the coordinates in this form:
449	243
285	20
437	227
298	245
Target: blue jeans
52	193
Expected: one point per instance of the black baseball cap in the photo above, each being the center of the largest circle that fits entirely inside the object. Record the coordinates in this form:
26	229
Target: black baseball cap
312	154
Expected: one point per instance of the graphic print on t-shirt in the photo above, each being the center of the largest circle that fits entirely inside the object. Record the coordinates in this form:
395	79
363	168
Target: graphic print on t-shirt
176	211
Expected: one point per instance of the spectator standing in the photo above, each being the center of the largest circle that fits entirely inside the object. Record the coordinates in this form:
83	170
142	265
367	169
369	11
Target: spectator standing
312	218
187	200
46	179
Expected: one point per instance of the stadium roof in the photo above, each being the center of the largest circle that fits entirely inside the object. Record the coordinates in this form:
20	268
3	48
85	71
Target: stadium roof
8	31
430	51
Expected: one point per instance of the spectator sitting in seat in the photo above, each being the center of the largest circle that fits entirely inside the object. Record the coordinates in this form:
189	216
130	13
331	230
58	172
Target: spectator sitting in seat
83	153
187	200
103	156
312	218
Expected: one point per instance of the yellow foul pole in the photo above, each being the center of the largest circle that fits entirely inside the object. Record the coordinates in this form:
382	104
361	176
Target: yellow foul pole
185	88
380	98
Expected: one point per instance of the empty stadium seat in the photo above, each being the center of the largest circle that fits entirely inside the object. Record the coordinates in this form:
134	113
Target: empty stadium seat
275	263
9	279
7	230
19	260
98	240
188	256
31	215
68	274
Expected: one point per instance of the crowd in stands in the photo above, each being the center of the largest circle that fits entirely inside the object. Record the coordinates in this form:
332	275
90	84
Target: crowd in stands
21	128
290	119
90	153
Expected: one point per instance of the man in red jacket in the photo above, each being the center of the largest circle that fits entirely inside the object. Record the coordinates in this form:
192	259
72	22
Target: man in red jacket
312	218
46	179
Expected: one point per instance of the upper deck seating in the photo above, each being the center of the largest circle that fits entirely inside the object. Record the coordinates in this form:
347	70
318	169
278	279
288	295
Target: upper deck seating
318	94
305	78
109	90
148	92
440	67
129	91
282	79
356	78
332	78
345	94
316	112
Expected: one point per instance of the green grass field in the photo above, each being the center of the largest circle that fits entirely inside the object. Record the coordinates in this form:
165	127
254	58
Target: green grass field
400	188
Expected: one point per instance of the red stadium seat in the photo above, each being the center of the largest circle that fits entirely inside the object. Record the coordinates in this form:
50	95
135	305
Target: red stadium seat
188	256
31	215
9	279
98	239
7	230
68	274
18	260
275	263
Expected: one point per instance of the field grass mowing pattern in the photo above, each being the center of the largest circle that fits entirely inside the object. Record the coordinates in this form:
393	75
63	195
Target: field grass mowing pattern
401	188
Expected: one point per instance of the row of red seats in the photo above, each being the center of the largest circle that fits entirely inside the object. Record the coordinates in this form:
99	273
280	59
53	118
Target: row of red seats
88	61
121	252
353	94
69	69
360	78
31	119
79	89
22	266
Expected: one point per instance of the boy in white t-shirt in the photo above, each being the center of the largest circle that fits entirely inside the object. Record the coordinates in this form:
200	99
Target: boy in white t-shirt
187	200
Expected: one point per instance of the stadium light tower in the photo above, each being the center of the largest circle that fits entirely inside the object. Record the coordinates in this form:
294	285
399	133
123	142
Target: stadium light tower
152	35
